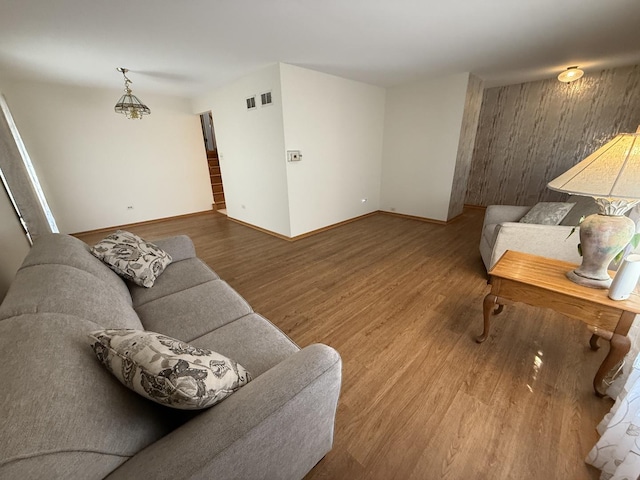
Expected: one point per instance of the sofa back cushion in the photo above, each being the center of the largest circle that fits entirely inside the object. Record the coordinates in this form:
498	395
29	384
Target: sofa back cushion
59	275
584	207
59	249
63	414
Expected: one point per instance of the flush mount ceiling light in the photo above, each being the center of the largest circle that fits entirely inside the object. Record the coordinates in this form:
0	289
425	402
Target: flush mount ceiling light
570	74
129	104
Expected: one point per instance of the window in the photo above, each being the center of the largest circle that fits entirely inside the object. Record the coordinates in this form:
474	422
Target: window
251	103
20	181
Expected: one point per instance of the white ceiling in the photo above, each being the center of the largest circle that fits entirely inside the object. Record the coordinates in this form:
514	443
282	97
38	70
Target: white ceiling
187	47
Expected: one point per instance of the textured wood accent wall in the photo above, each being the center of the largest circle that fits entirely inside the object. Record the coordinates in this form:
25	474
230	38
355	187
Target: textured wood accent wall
530	133
470	116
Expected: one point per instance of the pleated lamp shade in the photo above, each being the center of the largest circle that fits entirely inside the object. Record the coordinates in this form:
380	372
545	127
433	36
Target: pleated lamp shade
612	171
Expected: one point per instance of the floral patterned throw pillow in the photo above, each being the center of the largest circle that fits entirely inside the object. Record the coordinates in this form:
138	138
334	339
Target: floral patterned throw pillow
132	257
166	370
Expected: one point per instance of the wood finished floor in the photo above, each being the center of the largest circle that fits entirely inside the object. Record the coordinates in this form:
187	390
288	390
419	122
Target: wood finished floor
401	301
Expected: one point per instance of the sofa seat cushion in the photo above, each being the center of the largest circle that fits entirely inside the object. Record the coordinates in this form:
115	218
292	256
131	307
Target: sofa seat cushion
62	465
64	289
177	276
253	341
58	249
195	311
89	417
166	370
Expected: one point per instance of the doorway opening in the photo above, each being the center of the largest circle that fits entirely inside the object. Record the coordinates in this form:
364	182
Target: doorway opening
213	162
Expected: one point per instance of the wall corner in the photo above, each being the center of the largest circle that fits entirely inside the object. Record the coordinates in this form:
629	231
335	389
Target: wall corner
468	130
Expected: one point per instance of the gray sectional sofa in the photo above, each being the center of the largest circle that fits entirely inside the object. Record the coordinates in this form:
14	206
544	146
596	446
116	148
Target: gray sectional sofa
63	415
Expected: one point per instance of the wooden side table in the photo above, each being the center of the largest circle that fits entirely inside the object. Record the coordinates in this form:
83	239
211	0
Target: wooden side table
541	282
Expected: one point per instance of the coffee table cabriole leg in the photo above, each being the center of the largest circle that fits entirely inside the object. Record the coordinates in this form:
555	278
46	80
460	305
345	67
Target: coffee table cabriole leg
542	282
619	345
490	306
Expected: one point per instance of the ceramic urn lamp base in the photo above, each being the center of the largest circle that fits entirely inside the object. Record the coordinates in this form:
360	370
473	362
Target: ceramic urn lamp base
602	237
576	277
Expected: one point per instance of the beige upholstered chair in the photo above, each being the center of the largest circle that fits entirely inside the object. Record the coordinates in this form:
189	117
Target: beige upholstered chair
502	231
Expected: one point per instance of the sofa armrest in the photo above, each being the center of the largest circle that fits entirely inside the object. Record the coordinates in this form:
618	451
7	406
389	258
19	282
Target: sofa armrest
179	247
277	426
504	213
552	241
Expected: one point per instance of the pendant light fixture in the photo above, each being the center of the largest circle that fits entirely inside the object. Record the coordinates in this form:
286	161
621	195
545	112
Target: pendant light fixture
570	74
129	104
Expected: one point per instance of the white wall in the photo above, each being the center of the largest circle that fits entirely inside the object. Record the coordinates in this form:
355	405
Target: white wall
337	124
421	135
13	241
396	148
94	163
251	149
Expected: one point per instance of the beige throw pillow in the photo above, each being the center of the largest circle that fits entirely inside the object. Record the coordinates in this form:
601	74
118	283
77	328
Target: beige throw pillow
547	213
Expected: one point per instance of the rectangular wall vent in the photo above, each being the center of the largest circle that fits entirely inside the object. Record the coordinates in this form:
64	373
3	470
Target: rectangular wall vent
266	98
251	103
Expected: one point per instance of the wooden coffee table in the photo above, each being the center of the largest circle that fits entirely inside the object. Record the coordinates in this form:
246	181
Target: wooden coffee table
541	282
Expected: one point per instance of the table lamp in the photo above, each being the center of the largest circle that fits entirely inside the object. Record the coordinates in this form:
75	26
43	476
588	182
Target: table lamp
611	175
